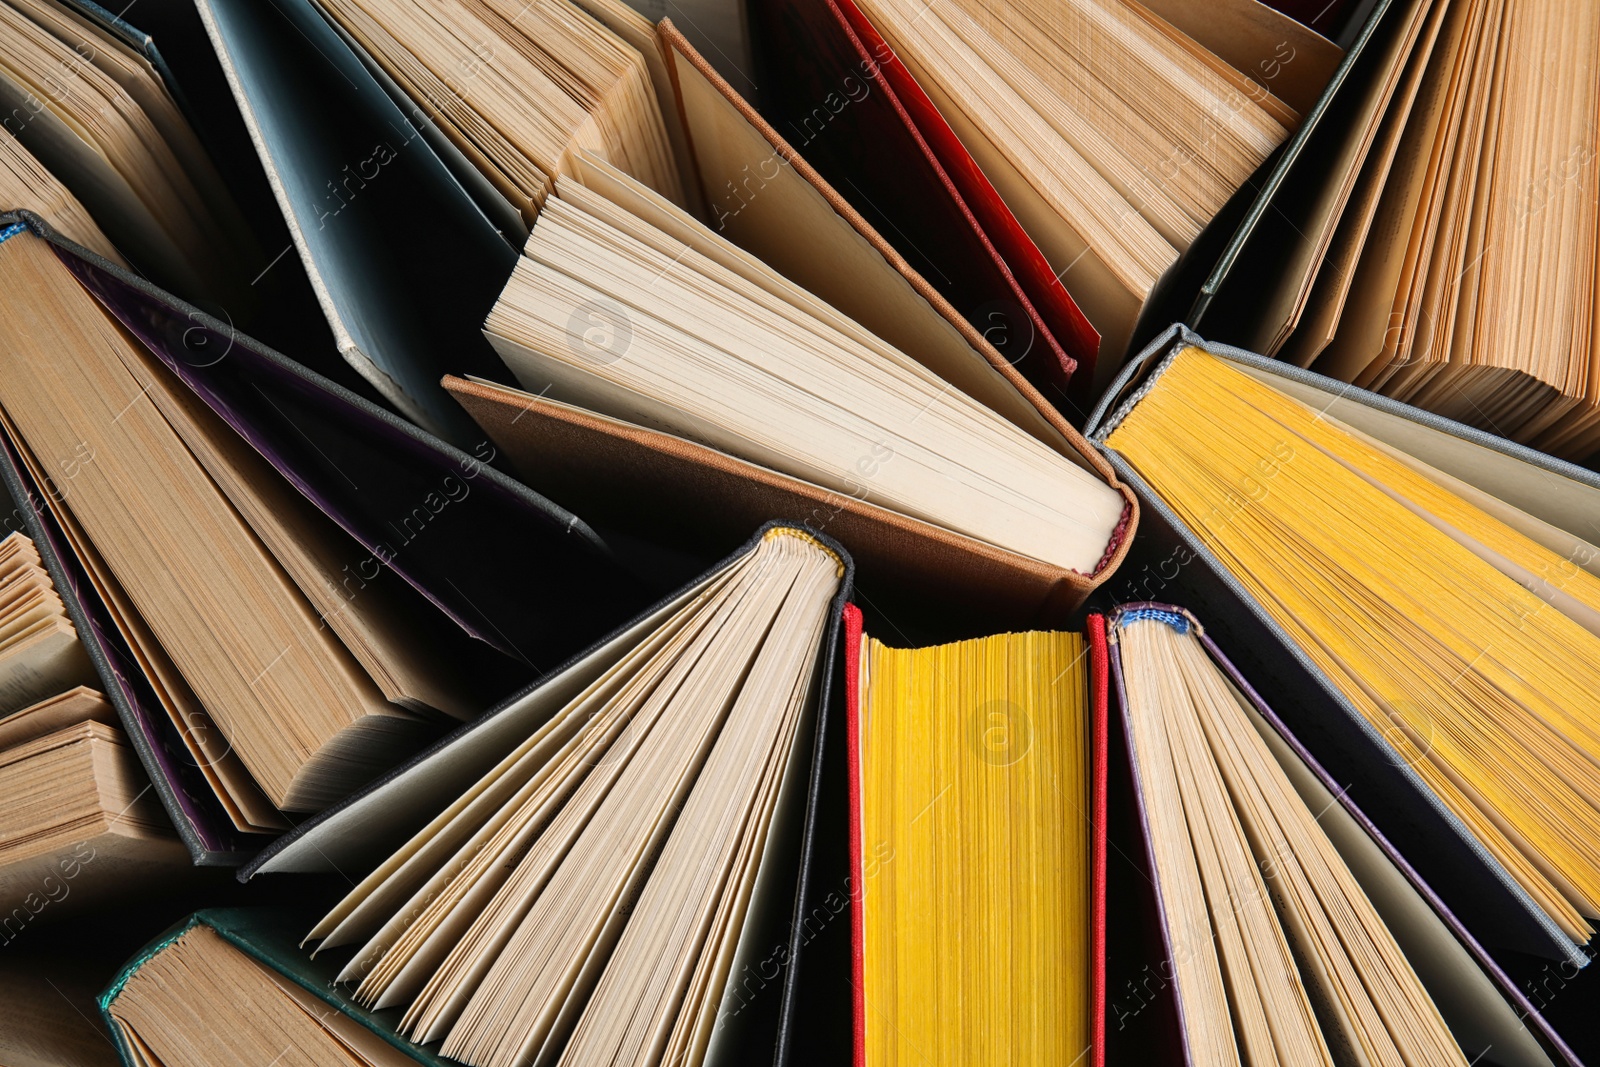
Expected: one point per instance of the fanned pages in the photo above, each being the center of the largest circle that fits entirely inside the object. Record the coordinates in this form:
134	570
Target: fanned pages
79	828
40	654
611	313
584	900
284	589
1462	279
1469	647
25	183
123	638
98	116
1278	955
260	556
1111	135
242	634
536	83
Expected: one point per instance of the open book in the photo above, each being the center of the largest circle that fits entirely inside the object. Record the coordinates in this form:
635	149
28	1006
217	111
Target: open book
94	130
1088	143
1437	240
599	863
299	589
1290	937
1436	585
788	257
625	306
397	310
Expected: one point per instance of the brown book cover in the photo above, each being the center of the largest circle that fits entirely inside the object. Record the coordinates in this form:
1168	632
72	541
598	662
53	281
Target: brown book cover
617	472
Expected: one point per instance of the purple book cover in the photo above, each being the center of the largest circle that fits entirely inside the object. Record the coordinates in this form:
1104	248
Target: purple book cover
1180	618
474	543
506	582
197	814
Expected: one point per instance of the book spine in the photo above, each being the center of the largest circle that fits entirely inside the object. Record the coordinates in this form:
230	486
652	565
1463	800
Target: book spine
1100	694
858	927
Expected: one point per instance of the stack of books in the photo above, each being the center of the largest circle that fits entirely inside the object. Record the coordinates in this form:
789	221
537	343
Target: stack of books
557	533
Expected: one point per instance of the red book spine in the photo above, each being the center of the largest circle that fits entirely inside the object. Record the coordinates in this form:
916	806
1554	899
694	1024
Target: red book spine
1072	333
858	915
1100	701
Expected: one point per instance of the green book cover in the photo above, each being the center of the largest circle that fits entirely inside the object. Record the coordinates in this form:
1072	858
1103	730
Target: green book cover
271	935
